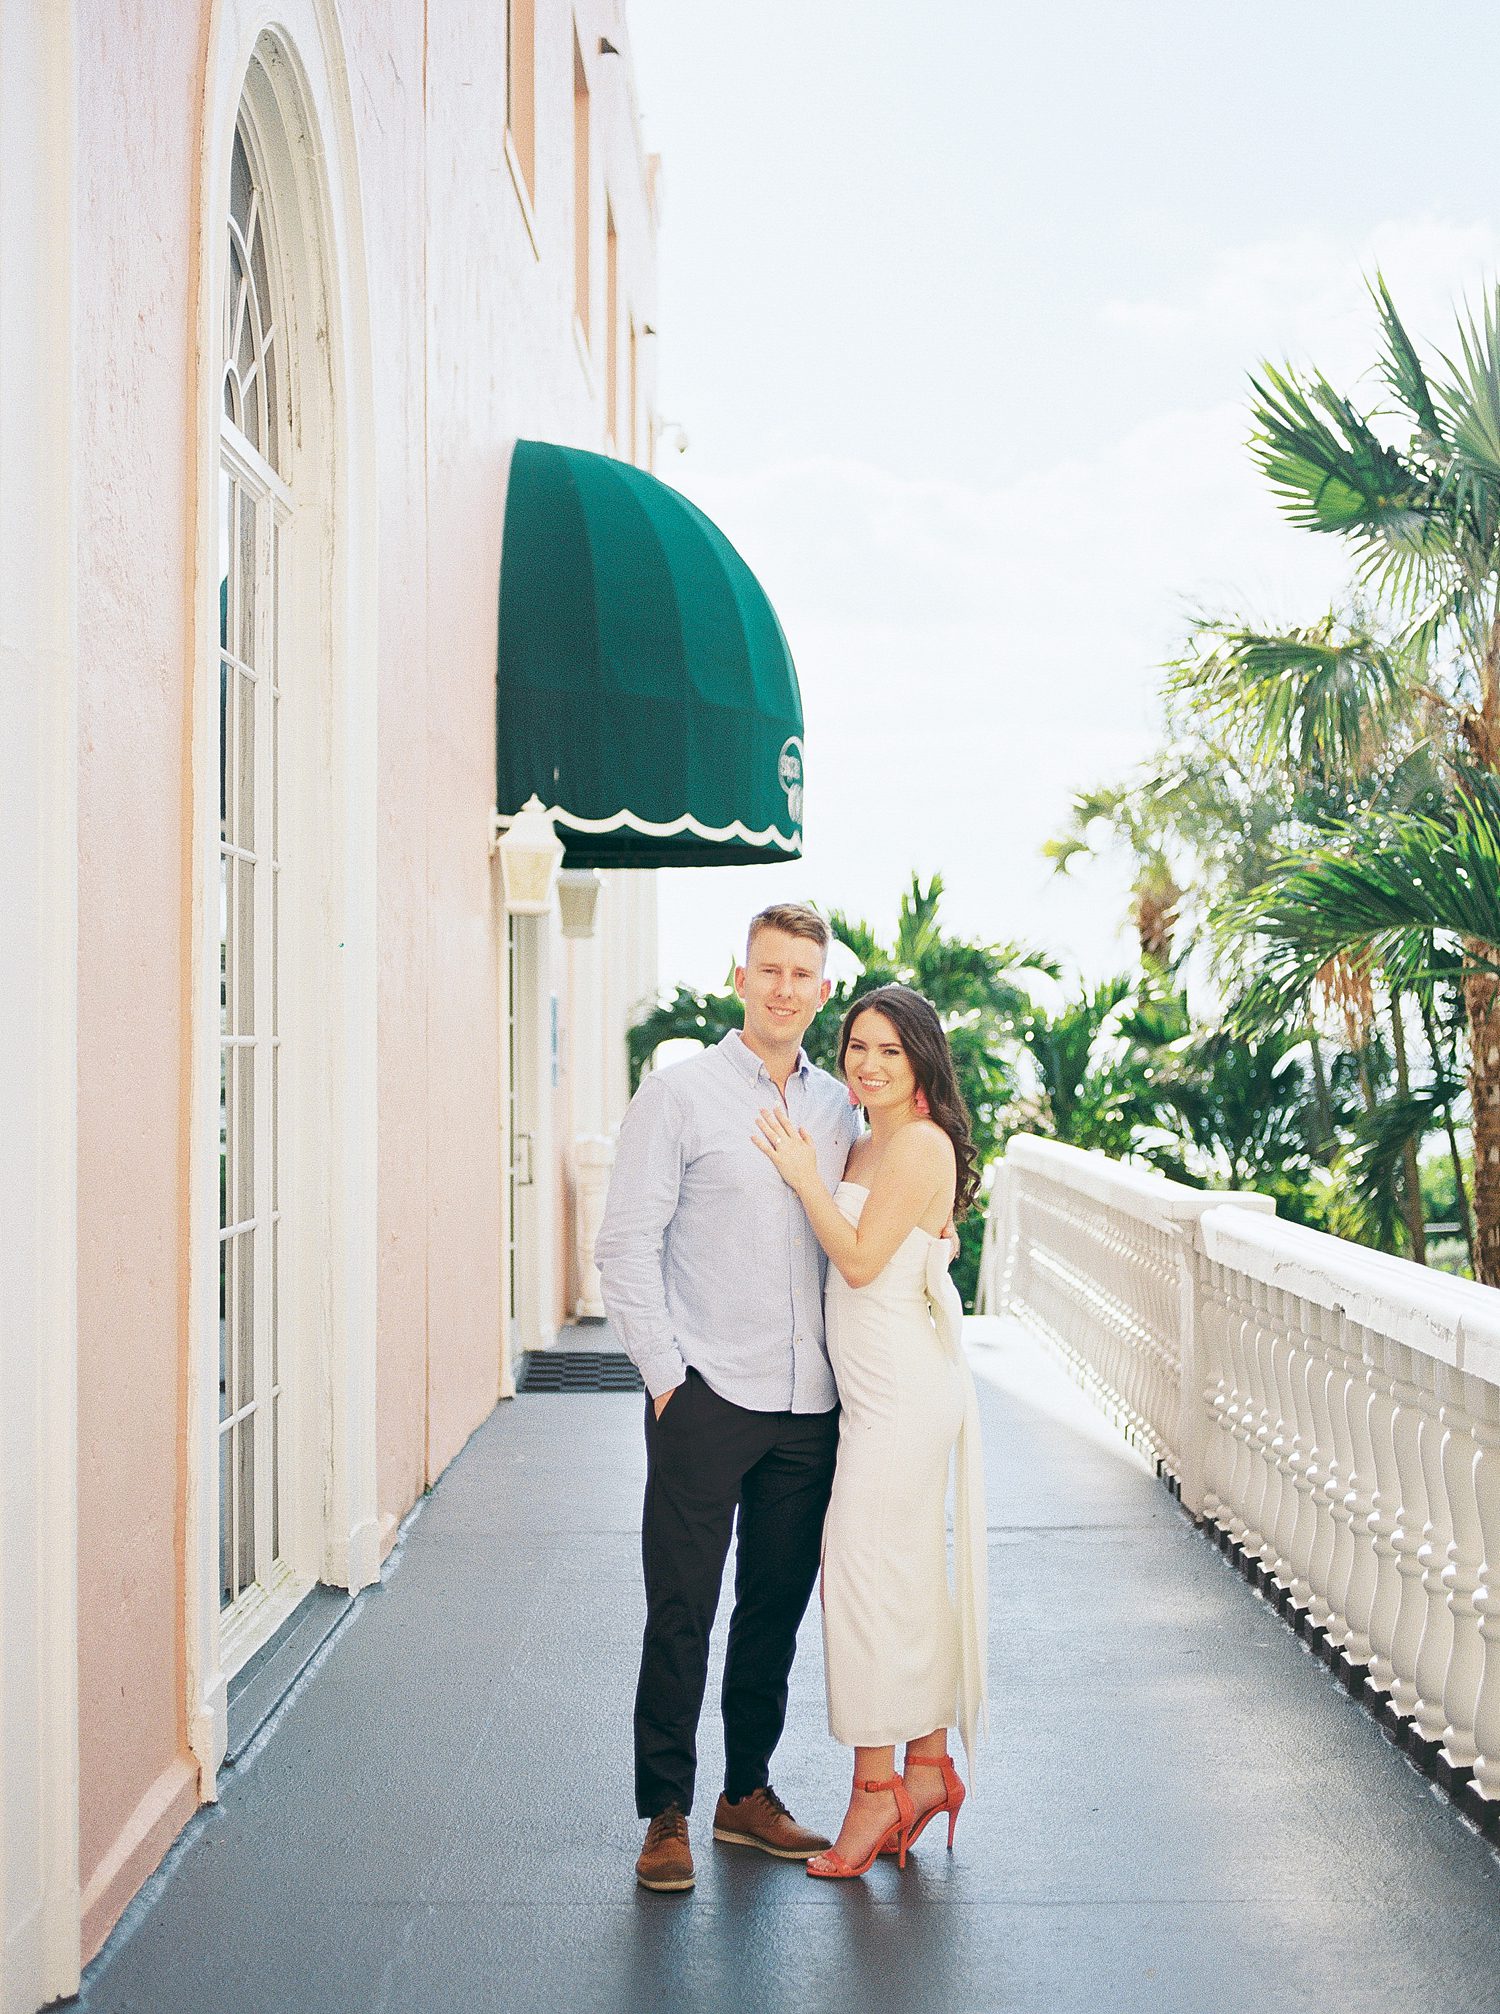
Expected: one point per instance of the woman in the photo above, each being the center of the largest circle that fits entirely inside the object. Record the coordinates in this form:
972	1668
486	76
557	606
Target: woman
904	1656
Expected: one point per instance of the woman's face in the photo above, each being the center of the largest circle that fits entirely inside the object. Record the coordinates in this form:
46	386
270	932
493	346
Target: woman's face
876	1065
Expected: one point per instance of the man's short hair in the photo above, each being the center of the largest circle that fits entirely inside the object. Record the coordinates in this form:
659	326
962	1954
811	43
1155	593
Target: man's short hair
797	919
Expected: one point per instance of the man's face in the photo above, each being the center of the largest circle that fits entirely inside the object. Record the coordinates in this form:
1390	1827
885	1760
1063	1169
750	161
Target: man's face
782	987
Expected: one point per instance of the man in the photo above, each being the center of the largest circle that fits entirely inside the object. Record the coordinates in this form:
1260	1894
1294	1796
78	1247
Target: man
714	1284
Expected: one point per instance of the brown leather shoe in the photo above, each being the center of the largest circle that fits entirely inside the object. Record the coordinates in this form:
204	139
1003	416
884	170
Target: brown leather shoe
666	1861
762	1820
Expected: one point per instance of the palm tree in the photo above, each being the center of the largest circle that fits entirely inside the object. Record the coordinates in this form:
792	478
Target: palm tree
686	1016
1136	818
1401	895
1335	709
1203	822
1421	517
1244	1111
1325	703
1090	1061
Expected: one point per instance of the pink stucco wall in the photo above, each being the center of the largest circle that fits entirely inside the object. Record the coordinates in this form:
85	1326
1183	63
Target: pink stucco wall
136	373
473	344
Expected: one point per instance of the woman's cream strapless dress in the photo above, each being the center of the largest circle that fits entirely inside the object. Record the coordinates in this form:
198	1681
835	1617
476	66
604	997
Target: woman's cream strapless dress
904	1651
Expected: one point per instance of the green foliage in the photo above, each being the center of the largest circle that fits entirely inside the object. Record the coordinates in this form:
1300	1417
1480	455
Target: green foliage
1090	1080
978	989
685	1017
1317	842
1325	700
1393	893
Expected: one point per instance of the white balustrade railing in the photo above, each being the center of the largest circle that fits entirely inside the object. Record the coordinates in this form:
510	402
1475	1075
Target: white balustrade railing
1101	1259
1333	1412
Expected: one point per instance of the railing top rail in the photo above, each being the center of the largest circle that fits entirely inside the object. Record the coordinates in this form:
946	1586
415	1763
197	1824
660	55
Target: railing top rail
1141	1193
1455	1321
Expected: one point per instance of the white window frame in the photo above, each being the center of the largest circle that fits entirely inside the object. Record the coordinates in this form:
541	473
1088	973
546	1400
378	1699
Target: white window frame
283	1579
288	69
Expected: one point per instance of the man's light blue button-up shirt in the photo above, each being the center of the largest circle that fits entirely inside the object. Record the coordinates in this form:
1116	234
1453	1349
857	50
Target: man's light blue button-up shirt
706	1255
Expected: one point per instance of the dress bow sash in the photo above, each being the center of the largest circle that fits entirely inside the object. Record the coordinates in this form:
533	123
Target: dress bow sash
970	1518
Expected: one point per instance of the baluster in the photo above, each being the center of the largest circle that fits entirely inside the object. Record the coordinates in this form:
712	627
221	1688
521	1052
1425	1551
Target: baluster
1487	1593
1341	1567
1460	1575
1437	1624
1325	1541
1385	1508
1133	1362
1286	1449
1252	1420
1302	1468
1024	1234
1318	1539
1261	1499
1240	1458
1331	1555
1411	1522
1158	1373
1165	1327
1359	1590
1268	1345
1213	1306
1095	1344
1148	1365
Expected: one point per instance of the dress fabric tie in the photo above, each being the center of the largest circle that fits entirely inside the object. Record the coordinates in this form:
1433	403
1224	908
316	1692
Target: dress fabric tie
970	1518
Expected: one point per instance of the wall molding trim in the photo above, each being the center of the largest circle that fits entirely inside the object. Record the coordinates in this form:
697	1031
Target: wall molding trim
39	1899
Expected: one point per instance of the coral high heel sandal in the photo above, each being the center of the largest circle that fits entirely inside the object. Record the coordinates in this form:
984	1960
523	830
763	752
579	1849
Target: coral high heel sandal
832	1866
953	1795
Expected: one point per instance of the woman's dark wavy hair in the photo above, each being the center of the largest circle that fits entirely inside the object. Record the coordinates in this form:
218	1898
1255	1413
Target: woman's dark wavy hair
915	1021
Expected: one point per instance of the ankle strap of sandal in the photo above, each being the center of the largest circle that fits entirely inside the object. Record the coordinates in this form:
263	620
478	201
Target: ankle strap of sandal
898	1790
943	1762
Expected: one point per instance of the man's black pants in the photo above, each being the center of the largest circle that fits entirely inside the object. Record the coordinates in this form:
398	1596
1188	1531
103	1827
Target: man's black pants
705	1459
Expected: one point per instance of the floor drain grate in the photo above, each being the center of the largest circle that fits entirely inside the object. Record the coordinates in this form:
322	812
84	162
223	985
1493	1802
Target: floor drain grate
578	1371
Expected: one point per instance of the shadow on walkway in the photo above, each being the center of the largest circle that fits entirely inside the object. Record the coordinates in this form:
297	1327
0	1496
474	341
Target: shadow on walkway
1179	1809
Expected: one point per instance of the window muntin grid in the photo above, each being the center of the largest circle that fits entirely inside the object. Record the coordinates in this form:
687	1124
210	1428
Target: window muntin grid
252	506
251	328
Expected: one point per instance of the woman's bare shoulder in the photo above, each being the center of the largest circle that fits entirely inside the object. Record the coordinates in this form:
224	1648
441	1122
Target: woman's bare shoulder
923	1144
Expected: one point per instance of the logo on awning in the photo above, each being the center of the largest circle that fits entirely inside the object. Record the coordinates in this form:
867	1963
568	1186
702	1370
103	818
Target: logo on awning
789	775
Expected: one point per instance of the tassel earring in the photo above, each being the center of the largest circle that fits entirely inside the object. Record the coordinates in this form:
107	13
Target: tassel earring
924	1110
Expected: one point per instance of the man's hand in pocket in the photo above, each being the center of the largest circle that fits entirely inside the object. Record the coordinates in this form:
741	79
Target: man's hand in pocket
661	1403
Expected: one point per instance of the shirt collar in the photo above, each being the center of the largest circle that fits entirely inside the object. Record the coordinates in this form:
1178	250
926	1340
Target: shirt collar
743	1057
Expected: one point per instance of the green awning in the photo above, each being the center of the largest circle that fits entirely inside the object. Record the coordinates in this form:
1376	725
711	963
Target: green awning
645	691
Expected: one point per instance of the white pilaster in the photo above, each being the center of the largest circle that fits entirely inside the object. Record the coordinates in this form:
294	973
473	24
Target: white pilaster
39	1897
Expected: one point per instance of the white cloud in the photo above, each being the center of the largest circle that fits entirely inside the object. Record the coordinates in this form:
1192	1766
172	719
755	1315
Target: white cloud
971	656
1306	296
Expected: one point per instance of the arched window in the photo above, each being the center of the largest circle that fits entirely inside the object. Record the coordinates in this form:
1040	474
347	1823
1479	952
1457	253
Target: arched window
254	508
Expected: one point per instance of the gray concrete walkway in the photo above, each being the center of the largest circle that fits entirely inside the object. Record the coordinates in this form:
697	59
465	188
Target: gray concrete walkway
1182	1811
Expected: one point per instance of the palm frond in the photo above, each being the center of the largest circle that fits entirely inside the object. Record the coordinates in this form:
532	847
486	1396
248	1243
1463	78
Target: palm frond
1371	1163
1470	402
682	1016
1381	893
1064	850
1332	473
856	935
917	926
1403	371
1325	696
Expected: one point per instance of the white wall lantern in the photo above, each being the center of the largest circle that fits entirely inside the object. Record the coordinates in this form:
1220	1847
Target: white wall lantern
530	858
578	899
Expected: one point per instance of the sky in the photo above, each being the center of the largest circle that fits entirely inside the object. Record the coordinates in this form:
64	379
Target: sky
956	310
